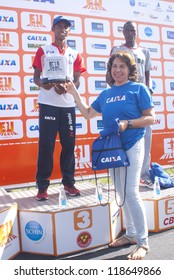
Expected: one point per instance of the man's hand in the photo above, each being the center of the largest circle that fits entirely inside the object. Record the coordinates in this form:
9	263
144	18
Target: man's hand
47	86
60	88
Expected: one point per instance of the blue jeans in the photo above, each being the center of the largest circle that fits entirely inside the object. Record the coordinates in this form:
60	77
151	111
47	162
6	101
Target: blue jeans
133	208
145	175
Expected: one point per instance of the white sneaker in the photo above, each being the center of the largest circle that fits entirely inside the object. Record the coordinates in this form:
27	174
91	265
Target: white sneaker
147	184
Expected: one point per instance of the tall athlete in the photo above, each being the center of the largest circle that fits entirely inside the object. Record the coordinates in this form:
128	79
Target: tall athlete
57	110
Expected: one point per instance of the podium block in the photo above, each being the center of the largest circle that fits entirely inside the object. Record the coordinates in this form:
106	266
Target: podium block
159	212
85	224
37	232
115	220
9	234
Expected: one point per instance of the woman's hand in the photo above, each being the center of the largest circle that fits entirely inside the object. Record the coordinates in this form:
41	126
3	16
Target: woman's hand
123	125
71	88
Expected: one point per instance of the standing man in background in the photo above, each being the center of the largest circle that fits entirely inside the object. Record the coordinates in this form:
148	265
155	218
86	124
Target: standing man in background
57	109
142	57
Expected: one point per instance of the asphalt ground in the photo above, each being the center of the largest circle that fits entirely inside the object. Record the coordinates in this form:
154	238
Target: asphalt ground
161	248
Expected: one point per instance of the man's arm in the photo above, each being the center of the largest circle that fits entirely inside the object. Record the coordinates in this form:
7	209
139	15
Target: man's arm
77	79
38	81
148	81
147	77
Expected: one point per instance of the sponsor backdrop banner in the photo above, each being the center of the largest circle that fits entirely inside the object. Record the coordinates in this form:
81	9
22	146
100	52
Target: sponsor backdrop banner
25	25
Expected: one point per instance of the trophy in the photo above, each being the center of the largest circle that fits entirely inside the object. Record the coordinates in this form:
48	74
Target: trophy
54	69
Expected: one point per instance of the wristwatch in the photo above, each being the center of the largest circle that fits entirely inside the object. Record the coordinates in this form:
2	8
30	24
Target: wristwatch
129	124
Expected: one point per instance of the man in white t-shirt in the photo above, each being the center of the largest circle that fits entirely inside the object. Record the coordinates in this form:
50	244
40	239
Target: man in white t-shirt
142	57
56	107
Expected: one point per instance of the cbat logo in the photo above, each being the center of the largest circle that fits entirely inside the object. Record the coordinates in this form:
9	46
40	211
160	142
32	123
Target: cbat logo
36	20
7	128
34	231
84	239
6	84
95	5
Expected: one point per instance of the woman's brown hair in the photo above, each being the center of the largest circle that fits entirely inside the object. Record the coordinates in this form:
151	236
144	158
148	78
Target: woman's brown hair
129	59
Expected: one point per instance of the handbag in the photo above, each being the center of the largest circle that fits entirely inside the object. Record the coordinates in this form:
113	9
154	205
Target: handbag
108	152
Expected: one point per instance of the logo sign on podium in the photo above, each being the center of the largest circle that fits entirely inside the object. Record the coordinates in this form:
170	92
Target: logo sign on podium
55	69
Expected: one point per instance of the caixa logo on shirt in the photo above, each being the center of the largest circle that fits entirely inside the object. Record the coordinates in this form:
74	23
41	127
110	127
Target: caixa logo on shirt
34	231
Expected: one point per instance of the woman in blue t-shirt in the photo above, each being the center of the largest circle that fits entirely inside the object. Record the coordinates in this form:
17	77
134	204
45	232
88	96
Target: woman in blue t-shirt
131	102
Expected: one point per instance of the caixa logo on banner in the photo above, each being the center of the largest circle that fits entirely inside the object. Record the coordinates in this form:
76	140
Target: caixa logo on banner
34	231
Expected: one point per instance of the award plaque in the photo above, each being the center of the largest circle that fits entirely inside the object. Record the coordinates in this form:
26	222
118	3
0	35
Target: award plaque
54	69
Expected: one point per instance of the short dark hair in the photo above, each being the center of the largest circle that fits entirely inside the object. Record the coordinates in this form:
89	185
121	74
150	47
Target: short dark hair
129	23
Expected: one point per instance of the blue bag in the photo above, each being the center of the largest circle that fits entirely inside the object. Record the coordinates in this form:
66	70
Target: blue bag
107	152
164	178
